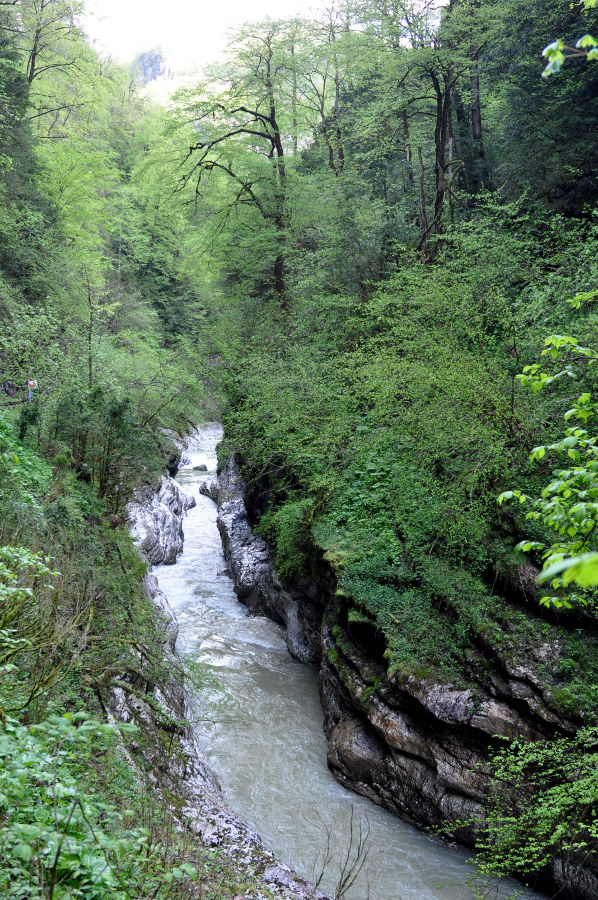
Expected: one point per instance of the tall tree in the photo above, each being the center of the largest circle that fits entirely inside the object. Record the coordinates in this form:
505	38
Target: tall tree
245	129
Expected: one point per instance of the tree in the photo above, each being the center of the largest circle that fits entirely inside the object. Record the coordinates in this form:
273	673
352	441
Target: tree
568	506
542	807
245	129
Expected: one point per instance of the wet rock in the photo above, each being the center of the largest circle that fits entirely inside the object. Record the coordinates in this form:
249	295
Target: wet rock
355	749
156	521
202	468
209	489
252	566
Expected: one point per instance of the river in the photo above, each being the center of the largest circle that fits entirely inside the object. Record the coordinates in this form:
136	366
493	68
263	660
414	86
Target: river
260	731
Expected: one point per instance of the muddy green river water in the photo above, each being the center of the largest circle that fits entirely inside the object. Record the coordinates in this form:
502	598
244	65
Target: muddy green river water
261	732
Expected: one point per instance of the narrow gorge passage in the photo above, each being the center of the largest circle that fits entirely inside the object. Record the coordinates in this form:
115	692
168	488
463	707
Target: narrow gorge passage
266	744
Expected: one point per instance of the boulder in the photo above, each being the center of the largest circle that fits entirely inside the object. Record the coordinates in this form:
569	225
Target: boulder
156	521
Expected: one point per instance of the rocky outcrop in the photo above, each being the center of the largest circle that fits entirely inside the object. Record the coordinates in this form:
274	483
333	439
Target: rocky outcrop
420	747
412	744
252	568
209	489
155	521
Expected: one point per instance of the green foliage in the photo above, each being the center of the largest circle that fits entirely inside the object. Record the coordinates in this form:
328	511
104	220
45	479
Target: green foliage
557	52
542	807
55	840
287	529
75	624
385	428
29	631
104	436
568	505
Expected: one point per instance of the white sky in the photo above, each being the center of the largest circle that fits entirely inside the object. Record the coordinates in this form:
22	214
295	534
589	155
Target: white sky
191	32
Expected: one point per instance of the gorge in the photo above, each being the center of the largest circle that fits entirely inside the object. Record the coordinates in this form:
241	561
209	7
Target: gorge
365	240
265	743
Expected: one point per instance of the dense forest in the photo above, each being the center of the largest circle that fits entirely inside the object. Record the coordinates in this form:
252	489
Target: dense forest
368	243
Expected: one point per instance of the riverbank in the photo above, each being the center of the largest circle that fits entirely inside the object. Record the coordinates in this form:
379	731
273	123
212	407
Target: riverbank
415	745
174	767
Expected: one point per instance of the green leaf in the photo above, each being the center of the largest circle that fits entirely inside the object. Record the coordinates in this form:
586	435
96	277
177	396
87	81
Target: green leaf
23	851
553	48
583	570
506	495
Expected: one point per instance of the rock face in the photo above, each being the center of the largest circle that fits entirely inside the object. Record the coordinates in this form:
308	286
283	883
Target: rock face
209	489
252	567
156	521
420	748
413	745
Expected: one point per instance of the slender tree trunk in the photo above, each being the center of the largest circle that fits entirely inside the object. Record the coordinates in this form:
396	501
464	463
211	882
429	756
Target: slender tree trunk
476	110
407	138
423	218
294	103
476	122
450	179
90	334
279	214
439	161
340	152
32	61
120	244
443	108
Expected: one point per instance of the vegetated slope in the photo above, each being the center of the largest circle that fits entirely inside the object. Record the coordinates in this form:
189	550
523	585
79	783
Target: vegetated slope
382	431
375	436
110	374
392	266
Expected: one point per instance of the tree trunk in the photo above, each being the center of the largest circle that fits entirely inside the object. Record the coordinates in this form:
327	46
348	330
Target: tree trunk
32	61
90	335
407	138
279	264
423	218
294	104
443	106
476	121
450	179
